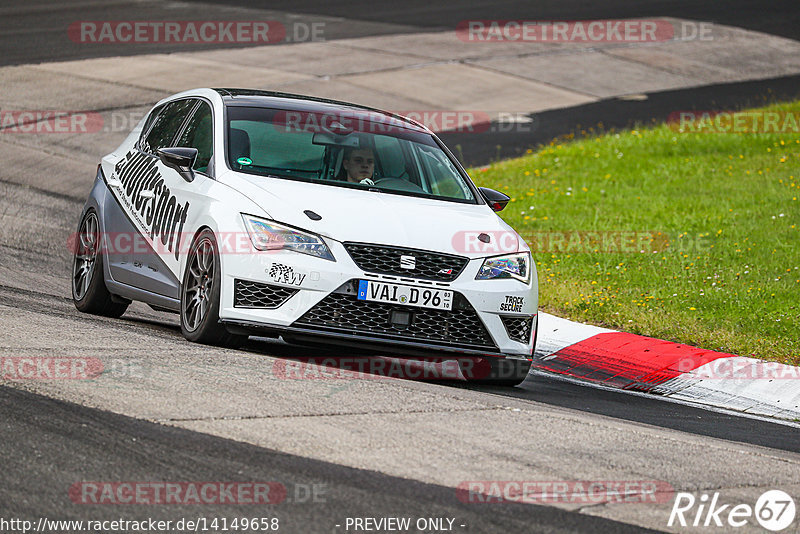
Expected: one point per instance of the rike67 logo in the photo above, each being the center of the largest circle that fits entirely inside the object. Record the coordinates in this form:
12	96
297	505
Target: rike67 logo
774	510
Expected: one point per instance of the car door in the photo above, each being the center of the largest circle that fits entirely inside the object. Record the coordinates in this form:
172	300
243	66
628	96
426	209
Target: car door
154	203
176	202
117	223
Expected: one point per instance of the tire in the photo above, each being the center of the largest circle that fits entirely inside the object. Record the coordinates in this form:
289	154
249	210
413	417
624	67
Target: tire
492	371
200	295
89	291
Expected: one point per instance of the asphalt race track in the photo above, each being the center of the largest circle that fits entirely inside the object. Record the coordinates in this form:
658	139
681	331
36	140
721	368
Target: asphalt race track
77	440
33	30
169	411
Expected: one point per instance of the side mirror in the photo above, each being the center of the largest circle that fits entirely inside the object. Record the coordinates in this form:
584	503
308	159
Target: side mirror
496	200
179	158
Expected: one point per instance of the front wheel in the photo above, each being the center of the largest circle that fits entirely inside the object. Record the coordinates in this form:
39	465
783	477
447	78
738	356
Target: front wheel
89	291
200	295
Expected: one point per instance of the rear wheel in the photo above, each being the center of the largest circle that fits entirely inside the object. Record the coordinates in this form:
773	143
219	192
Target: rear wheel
200	295
89	291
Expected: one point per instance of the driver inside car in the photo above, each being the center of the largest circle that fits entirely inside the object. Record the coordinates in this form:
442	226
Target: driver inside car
358	165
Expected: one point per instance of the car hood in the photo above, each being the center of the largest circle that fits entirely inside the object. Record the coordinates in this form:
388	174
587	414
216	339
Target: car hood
375	217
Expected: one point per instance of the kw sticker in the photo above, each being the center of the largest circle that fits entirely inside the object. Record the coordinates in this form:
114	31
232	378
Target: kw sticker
284	274
161	216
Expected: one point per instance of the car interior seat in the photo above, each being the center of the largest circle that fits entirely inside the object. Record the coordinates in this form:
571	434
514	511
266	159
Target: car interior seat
239	145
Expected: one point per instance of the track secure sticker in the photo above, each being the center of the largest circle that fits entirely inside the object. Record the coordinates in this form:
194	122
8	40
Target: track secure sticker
244	161
512	304
284	274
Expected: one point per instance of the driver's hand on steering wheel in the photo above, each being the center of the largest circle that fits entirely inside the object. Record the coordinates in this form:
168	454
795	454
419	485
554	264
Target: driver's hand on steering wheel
367	181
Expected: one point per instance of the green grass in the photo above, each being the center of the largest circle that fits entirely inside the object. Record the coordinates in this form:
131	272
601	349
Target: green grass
725	215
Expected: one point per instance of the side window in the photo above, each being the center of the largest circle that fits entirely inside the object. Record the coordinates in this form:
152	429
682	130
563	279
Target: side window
441	173
166	125
149	122
199	134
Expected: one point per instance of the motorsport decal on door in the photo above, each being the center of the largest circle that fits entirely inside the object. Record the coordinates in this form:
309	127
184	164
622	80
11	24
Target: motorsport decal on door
160	215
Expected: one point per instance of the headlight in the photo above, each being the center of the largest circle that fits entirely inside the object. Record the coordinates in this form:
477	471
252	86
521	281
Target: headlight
516	266
269	235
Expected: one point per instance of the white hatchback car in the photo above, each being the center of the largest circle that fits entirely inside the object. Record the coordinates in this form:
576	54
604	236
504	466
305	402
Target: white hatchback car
252	212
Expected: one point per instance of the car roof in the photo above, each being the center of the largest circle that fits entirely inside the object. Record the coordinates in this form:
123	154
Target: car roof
312	104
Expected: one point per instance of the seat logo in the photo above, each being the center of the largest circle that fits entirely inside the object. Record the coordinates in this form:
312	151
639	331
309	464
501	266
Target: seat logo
408	262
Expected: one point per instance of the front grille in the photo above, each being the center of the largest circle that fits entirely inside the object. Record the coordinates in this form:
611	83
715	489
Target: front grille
386	259
518	328
460	327
248	294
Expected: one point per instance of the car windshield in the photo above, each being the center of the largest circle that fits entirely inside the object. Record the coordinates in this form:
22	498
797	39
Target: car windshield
348	149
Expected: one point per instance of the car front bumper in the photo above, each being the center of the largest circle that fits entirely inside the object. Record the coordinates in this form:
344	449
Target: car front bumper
297	295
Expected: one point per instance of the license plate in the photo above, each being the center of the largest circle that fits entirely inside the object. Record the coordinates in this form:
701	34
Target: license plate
421	297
